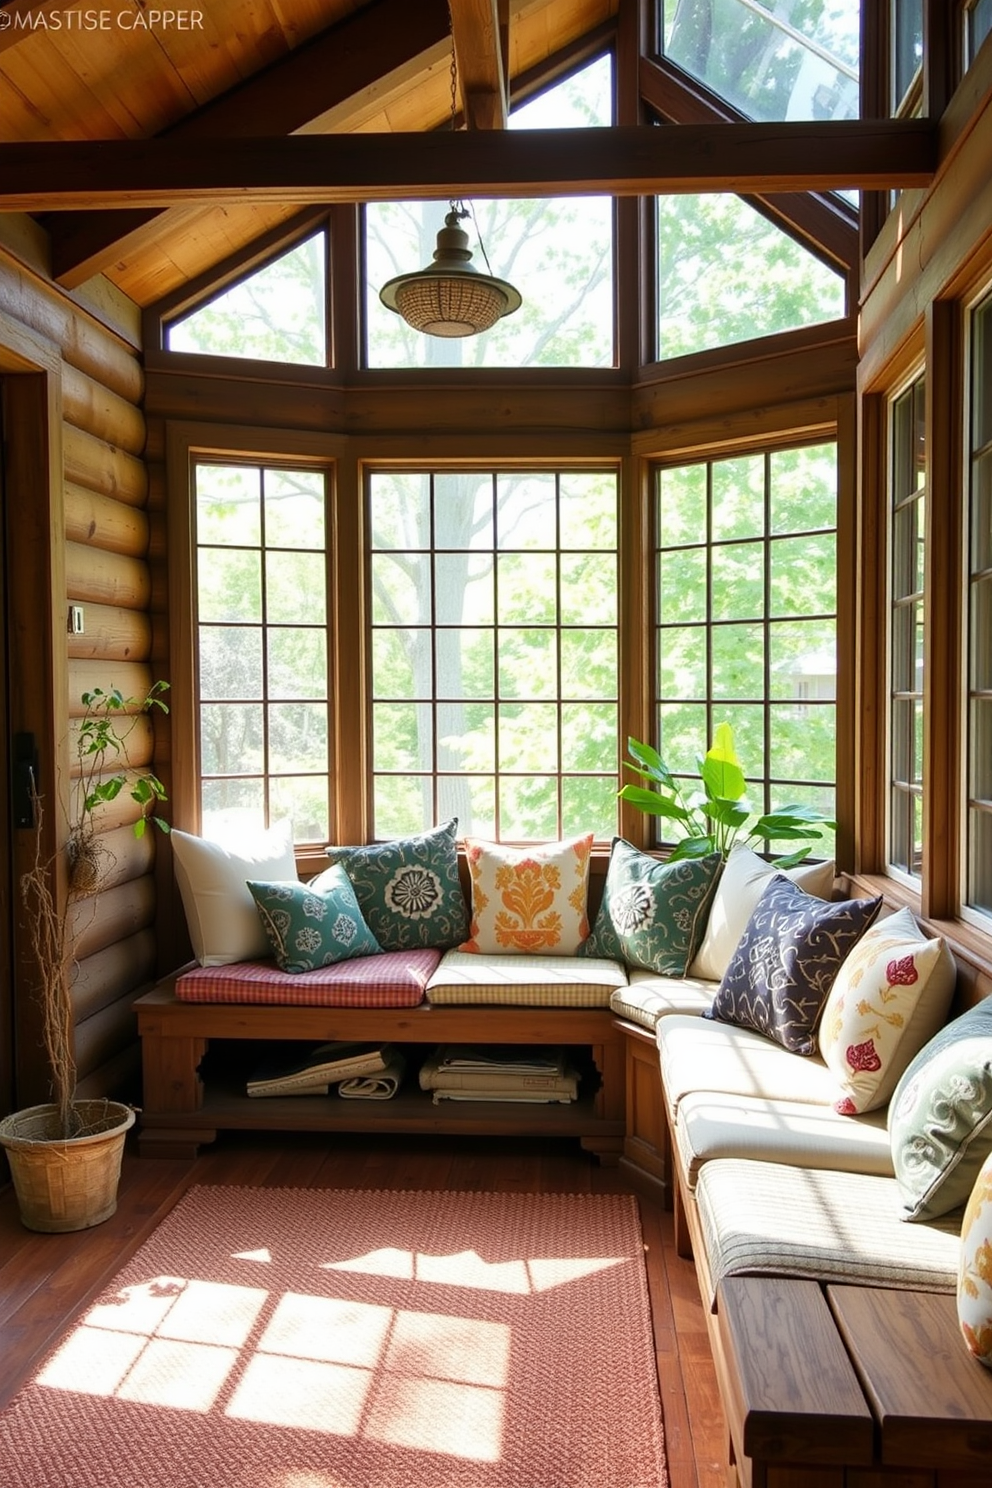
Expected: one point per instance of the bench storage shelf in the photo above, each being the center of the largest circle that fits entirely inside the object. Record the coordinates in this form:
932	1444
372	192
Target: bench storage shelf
184	1107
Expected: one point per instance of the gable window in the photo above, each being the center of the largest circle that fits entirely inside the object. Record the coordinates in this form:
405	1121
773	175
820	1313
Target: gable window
979	620
746	621
978	24
277	313
494	651
261	648
708	297
769	59
907	503
907	56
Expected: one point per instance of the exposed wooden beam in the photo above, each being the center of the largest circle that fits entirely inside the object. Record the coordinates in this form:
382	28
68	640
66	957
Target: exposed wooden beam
822	221
475	29
634	160
382	40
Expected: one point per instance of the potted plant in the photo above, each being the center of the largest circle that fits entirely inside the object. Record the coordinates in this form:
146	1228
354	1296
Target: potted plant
715	816
65	1156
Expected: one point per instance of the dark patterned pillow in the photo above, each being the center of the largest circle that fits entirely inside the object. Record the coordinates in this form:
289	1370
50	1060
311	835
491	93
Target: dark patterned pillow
409	890
653	913
785	964
308	927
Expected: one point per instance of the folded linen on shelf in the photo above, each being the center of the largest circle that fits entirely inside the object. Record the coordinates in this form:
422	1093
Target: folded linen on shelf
455	1072
310	1070
381	1086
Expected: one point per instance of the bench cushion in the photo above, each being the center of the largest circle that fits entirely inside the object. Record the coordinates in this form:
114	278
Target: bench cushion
713	1126
393	980
697	1054
525	981
648	997
772	1219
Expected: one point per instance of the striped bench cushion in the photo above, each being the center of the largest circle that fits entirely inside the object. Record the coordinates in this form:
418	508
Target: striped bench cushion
770	1219
396	979
525	981
650	997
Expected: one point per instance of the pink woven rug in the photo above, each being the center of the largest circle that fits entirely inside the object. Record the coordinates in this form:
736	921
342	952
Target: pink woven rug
322	1338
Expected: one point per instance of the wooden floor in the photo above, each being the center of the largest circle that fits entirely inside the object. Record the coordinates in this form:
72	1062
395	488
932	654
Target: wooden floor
46	1280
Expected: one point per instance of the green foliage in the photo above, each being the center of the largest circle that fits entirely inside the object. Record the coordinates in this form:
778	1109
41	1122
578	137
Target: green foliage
101	736
718	816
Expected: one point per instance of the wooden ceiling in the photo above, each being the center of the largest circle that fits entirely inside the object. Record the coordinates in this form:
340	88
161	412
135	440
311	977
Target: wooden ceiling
253	68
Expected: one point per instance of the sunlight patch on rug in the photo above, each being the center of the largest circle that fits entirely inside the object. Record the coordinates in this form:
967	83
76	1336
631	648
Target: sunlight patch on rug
402	1339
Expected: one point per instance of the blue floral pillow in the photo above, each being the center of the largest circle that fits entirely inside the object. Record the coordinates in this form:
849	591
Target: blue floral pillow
309	927
779	976
409	890
653	913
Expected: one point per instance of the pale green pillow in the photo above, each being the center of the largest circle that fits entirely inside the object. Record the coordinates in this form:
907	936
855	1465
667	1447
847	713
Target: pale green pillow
940	1116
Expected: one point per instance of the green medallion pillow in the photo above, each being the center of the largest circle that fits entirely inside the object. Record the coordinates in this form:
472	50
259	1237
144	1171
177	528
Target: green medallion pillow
940	1116
408	889
653	914
308	927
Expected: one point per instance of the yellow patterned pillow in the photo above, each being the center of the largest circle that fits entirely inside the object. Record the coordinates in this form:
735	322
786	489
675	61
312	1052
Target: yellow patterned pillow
975	1271
888	999
528	899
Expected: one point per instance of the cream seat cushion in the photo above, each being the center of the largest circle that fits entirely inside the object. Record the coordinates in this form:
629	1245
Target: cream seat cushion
713	1125
648	997
527	981
697	1054
772	1219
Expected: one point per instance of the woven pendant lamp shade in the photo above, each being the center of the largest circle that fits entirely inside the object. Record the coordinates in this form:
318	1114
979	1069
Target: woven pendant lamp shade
450	297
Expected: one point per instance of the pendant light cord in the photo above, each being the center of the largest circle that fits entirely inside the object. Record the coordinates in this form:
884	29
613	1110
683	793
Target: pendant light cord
458	205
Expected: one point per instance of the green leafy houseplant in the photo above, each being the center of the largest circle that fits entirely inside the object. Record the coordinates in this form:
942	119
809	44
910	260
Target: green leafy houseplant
108	720
715	816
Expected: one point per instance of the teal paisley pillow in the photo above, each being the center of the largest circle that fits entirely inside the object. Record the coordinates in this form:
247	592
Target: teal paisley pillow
940	1116
309	927
653	914
409	890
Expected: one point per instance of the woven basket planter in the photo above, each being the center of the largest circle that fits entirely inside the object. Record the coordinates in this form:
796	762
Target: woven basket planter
66	1184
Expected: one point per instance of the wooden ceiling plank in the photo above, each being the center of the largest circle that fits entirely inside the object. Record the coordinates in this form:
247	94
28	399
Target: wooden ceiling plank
476	37
633	160
337	65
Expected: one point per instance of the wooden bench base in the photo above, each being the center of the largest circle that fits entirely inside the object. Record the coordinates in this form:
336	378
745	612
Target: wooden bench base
181	1110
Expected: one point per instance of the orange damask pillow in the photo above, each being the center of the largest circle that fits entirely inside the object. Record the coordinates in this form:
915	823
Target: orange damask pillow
528	900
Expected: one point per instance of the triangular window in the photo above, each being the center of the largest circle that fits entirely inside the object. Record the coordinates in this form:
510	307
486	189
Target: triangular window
277	313
727	274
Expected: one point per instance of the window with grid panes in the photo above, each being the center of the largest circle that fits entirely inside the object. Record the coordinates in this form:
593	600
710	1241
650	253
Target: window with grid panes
979	619
494	651
262	648
746	624
907	486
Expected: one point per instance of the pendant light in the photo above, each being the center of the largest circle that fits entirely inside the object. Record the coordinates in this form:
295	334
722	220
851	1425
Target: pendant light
451	297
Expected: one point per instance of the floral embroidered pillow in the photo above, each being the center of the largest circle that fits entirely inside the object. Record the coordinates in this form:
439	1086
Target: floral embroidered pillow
408	889
308	927
653	913
528	900
975	1268
889	998
784	967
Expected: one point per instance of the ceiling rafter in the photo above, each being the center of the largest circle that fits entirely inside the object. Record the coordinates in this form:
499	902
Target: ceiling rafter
820	221
480	37
324	73
632	160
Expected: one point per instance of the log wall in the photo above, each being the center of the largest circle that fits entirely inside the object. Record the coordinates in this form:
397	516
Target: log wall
104	559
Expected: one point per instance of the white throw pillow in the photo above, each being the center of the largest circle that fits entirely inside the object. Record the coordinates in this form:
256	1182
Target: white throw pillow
891	995
975	1270
743	881
224	924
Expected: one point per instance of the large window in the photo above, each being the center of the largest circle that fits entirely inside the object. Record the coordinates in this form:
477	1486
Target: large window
979	619
262	648
494	651
908	489
746	588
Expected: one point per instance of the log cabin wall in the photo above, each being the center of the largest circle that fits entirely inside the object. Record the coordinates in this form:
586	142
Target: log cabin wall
101	565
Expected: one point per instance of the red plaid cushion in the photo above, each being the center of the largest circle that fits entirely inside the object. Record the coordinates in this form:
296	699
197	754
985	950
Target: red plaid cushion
395	979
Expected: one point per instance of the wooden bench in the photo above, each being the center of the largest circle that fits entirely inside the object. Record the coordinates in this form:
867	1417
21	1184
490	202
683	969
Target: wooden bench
848	1387
184	1105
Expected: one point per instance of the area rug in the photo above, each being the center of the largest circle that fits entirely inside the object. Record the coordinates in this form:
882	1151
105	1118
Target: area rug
331	1338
